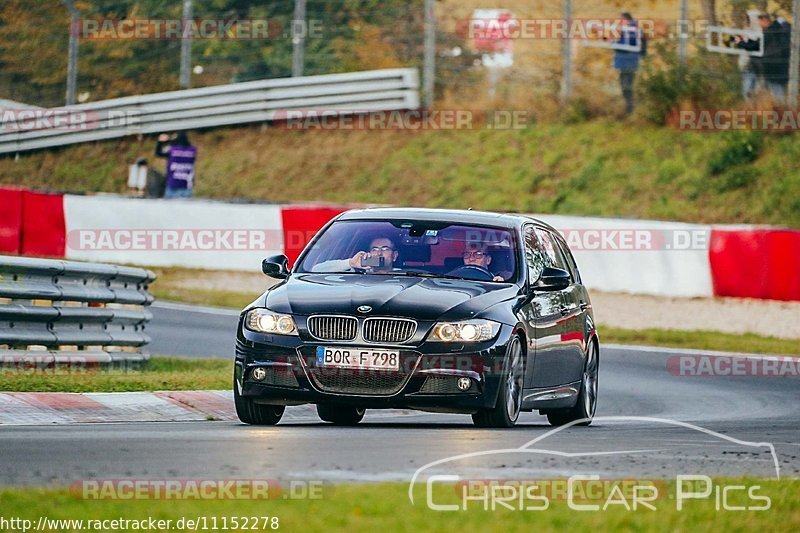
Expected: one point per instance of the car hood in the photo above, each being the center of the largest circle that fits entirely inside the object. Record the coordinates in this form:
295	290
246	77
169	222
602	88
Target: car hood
420	298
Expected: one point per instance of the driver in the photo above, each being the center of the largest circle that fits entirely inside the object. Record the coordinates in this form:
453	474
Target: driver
381	247
477	255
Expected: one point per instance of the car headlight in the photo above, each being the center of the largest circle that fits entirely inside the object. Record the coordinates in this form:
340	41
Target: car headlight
467	331
265	321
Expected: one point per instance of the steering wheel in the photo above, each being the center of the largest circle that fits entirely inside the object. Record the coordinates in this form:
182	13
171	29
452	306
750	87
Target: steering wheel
470	271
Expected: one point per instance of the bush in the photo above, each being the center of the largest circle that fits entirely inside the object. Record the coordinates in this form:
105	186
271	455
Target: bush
707	81
738	178
740	148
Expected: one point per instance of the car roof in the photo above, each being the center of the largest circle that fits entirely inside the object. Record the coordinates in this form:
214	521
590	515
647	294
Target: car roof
457	216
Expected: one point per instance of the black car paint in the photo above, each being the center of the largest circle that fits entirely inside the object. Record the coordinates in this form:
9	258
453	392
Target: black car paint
556	326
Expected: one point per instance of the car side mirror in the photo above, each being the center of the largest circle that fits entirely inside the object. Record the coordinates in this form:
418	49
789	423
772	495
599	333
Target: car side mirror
552	279
276	266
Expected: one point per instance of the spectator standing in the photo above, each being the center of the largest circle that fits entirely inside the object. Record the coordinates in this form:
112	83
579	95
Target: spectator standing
181	157
627	61
773	66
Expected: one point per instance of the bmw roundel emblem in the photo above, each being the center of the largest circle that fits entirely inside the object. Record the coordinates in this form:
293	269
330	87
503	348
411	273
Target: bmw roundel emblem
364	309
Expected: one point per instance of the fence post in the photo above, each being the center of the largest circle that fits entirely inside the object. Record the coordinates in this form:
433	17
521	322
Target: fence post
298	38
794	57
186	47
429	60
566	57
683	32
72	57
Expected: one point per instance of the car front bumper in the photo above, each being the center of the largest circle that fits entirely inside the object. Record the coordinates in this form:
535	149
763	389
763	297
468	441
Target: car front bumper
427	379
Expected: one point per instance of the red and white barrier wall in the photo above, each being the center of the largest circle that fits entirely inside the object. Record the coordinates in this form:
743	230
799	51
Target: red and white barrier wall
615	255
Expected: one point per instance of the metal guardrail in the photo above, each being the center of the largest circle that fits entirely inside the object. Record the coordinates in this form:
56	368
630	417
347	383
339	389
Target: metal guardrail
94	312
238	103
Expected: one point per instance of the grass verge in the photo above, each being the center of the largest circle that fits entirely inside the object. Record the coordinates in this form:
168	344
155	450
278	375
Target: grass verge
386	507
600	167
701	340
160	373
232	299
208	287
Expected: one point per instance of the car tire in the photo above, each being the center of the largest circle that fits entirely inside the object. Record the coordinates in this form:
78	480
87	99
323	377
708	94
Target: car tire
506	410
340	415
253	413
586	405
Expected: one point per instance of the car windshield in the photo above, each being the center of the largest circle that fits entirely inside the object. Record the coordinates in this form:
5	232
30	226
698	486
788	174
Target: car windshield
428	249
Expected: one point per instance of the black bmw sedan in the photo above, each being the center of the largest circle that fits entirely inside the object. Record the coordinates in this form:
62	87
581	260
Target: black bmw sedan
436	310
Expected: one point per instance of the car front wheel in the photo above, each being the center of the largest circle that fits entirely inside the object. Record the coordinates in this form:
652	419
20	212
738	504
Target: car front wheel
509	399
586	405
253	413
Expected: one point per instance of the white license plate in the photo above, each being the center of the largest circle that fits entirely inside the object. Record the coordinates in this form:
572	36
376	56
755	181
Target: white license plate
365	358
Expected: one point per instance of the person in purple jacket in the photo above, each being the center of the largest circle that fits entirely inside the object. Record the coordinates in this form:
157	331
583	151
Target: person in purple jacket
181	157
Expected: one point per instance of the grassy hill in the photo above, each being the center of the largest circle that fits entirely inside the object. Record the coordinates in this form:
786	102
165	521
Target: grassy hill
600	167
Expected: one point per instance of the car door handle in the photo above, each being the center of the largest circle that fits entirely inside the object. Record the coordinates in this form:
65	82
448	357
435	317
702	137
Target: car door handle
585	306
567	310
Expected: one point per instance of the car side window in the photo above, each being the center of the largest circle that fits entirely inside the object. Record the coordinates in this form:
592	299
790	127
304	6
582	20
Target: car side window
534	256
555	257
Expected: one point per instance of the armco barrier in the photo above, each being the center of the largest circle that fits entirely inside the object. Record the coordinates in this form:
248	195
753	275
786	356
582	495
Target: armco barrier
204	107
747	262
756	263
93	310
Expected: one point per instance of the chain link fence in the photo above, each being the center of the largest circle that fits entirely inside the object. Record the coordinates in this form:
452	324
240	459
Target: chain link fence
124	48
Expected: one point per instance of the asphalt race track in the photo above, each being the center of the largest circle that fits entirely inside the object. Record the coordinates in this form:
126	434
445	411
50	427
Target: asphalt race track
179	329
392	445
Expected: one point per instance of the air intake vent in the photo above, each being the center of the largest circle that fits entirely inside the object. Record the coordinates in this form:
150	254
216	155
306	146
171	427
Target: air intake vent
345	381
333	328
390	330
